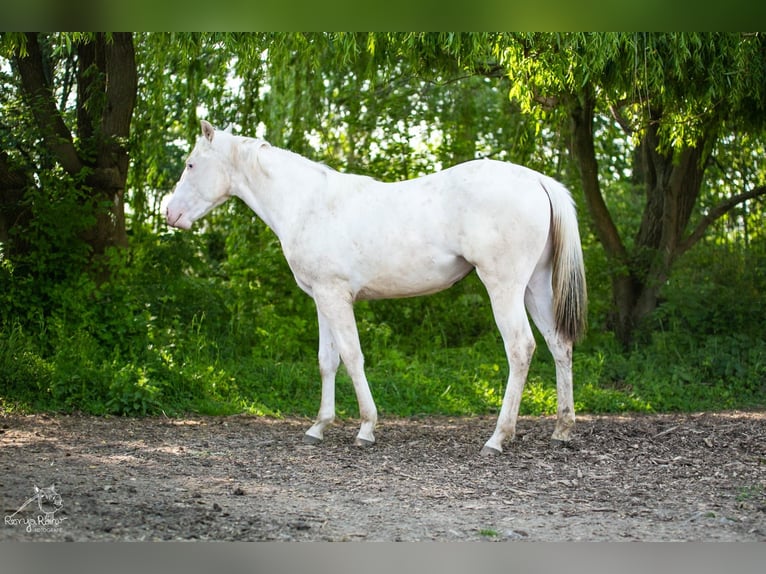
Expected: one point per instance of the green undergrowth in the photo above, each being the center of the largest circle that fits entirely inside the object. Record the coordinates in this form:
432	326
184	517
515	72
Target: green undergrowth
199	376
198	324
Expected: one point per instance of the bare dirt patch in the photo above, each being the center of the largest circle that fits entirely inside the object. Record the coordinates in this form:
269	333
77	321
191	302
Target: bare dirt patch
670	477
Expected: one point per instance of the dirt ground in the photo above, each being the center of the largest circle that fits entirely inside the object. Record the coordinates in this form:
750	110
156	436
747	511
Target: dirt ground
650	478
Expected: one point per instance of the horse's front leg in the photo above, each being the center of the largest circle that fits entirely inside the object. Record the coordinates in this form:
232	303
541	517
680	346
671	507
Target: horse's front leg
329	360
337	314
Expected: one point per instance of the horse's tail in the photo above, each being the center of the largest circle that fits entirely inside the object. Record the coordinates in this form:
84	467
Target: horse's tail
570	297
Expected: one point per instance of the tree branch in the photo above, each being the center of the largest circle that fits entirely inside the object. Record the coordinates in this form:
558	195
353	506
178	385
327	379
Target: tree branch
121	84
620	119
581	115
716	213
548	103
37	91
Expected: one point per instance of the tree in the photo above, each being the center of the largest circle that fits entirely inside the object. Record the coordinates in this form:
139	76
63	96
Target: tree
77	92
675	96
395	106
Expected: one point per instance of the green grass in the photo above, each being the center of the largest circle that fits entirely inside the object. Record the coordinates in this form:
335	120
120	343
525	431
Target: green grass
197	375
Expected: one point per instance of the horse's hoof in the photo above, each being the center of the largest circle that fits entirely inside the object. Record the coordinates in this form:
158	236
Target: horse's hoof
310	439
490	451
363	442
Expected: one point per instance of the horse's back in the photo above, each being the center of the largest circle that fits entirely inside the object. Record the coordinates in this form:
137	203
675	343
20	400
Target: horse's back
473	187
495	201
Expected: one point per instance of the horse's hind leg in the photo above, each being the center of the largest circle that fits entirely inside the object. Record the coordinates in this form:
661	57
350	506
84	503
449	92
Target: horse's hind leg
508	308
539	303
337	320
329	360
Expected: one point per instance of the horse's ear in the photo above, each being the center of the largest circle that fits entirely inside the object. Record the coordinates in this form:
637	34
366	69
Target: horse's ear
229	128
207	130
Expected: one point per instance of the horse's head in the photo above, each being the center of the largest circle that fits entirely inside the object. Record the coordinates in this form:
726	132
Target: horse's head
205	182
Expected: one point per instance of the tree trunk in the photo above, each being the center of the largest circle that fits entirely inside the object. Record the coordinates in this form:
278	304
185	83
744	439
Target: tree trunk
672	181
106	93
624	285
14	182
107	86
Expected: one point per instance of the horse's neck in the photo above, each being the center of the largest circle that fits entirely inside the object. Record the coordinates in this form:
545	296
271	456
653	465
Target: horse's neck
281	187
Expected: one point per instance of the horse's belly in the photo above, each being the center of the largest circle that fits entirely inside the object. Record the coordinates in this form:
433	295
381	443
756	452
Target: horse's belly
416	276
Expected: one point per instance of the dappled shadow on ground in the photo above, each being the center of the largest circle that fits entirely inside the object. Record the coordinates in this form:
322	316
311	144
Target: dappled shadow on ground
667	477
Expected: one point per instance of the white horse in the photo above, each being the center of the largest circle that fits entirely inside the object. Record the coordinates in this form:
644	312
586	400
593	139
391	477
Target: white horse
348	237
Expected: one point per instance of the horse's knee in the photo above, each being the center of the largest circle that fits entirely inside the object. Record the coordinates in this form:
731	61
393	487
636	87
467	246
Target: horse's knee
329	361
